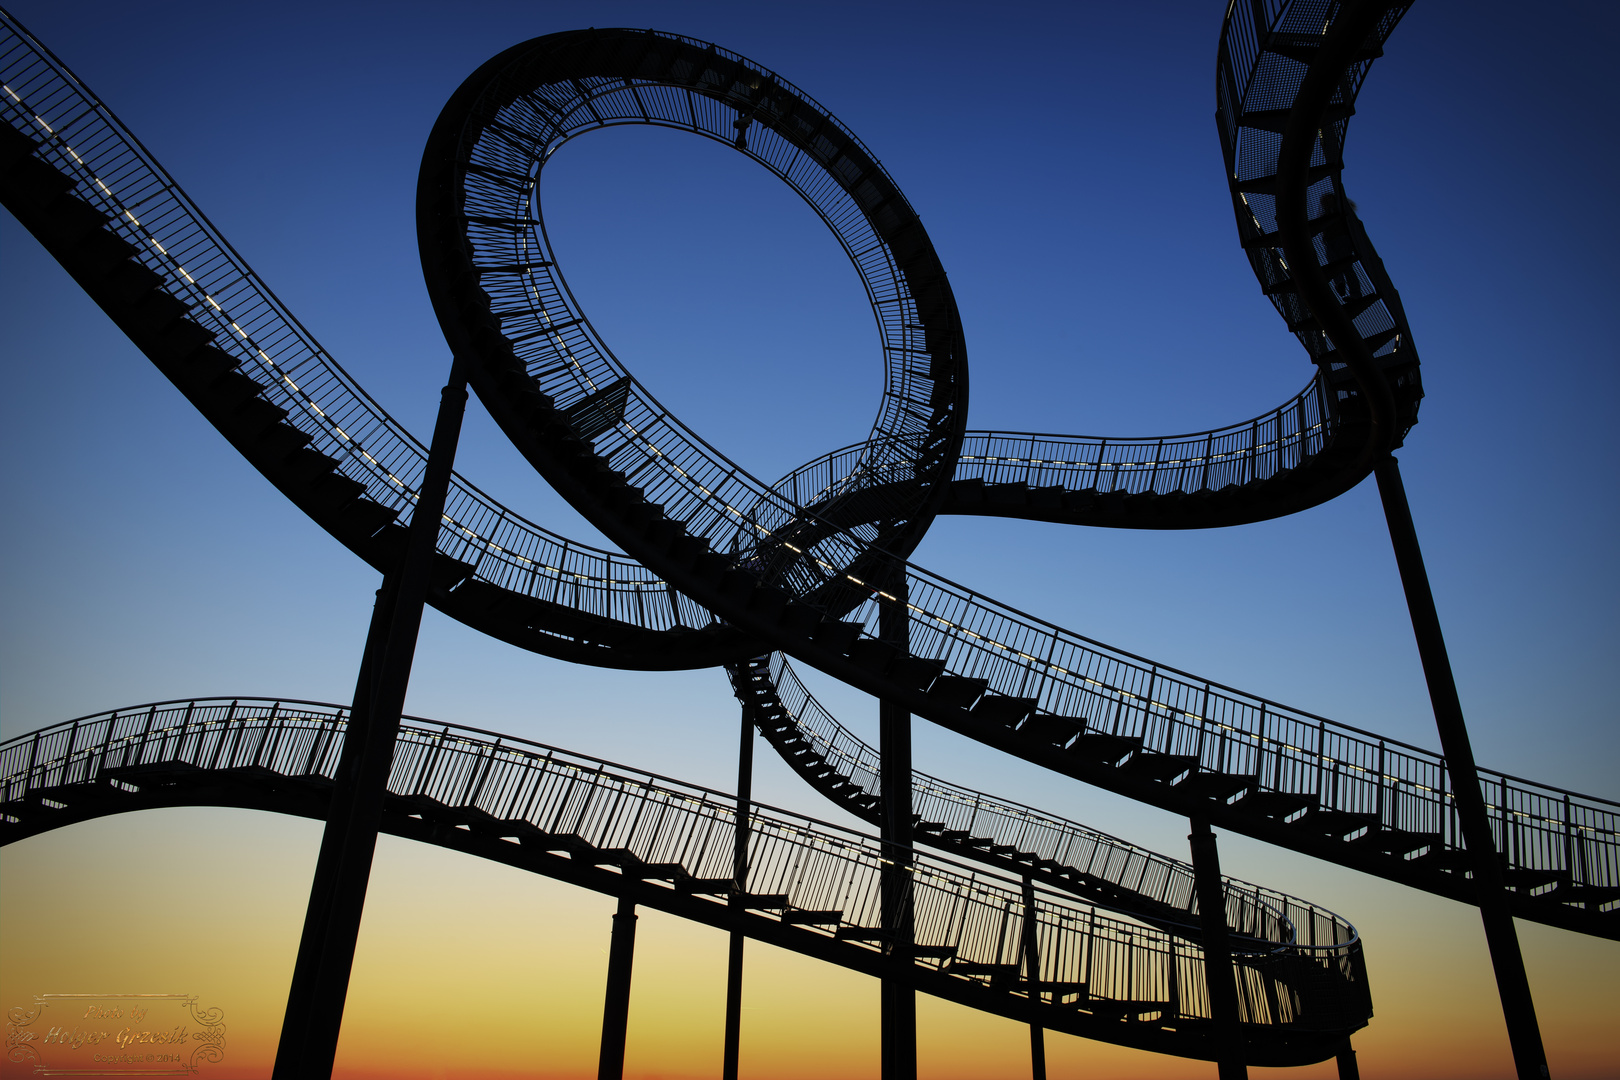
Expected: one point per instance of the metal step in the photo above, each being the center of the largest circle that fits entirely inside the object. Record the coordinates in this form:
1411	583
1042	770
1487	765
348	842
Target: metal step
1217	785
1163	767
812	918
957	690
995	972
1107	749
1006	711
1046	728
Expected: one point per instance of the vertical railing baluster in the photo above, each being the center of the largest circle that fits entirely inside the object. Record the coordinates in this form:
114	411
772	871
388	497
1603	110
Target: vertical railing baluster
1321	745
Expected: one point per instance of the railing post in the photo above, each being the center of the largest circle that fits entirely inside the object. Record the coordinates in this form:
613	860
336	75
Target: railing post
33	760
67	758
146	733
1260	748
1568	845
1218	974
616	1007
739	892
1518	1006
1378	794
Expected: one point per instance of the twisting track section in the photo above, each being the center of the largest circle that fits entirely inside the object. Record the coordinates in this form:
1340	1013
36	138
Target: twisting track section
722	568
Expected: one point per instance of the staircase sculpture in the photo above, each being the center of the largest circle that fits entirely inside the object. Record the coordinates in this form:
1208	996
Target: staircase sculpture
723	568
813	887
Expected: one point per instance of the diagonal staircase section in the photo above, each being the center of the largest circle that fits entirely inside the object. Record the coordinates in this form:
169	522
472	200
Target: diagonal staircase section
107	211
811	887
97	201
815	589
1014	838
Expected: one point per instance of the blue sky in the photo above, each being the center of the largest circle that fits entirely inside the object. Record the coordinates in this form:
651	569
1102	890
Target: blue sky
1065	162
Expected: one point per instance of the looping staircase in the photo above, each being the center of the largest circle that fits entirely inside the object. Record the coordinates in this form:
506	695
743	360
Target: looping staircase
722	568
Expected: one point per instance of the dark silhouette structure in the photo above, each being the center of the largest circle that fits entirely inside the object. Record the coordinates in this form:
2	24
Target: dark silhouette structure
815	889
722	568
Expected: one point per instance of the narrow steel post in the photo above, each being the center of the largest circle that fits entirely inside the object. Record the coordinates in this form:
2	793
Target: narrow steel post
1032	976
317	916
616	1009
1518	1007
1346	1058
739	871
899	1000
320	981
1223	1002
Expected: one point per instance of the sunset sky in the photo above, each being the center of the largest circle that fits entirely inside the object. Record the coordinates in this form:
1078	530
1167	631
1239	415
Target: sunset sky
1066	165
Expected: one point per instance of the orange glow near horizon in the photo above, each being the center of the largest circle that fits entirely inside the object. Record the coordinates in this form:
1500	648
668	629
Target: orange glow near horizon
469	970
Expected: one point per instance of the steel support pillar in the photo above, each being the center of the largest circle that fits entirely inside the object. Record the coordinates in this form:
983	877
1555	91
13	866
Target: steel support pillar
1032	976
616	1007
320	980
739	871
1518	1007
317	916
1223	1002
1346	1058
899	999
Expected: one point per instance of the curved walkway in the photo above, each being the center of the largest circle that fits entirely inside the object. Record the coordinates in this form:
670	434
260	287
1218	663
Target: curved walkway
811	887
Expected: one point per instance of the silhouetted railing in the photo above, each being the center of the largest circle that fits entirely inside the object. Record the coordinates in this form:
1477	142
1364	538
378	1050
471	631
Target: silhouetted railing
968	921
1256	449
1203	461
1252	911
1329	767
83	139
1264	51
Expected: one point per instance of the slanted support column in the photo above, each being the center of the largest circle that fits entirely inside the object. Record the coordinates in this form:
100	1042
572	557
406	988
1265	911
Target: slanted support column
616	1009
1032	976
1223	1002
899	999
317	915
1518	1007
320	982
739	870
1347	1063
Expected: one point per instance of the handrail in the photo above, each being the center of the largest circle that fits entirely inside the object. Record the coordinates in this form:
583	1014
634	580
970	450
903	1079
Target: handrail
83	139
1333	766
1253	911
1278	439
968	918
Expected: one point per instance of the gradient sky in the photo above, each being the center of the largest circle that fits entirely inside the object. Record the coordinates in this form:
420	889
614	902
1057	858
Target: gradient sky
1066	165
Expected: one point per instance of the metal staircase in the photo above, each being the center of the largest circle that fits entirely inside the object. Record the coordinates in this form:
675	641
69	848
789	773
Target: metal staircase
1013	838
722	567
811	887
